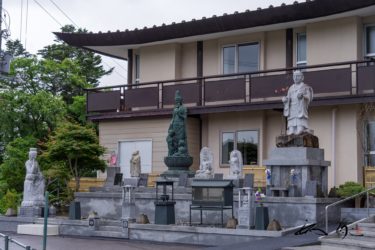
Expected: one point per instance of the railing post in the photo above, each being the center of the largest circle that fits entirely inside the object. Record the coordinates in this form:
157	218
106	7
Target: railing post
367	201
327	219
6	242
28	248
45	221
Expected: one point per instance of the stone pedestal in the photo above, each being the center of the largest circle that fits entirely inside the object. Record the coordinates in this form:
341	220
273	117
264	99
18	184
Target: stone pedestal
302	140
178	165
309	167
261	218
30	212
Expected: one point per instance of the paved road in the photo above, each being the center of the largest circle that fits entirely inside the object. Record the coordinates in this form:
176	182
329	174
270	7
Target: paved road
64	243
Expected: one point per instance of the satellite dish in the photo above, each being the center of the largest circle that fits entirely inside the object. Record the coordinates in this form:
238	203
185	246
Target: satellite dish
5	61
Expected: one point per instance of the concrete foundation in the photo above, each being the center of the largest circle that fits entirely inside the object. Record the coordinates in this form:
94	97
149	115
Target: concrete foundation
37	229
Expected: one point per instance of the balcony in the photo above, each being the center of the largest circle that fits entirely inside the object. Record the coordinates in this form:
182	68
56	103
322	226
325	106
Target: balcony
333	84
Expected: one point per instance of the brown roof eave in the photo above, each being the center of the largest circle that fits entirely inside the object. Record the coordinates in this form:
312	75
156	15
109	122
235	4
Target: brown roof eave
249	19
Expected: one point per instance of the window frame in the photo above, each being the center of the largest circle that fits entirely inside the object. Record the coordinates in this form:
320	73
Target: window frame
137	68
236	55
300	63
235	132
365	40
367	152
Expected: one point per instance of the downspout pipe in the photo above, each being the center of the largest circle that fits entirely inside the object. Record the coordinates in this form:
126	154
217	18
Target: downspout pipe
333	145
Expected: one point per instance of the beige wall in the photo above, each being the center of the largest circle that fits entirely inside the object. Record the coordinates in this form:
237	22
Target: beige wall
275	49
159	62
111	132
332	41
271	123
189	60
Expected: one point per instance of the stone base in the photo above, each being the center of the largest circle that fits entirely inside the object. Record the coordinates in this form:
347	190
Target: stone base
177	173
302	140
178	165
37	229
296	211
30	212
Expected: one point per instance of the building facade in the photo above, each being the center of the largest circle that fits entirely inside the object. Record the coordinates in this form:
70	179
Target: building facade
232	71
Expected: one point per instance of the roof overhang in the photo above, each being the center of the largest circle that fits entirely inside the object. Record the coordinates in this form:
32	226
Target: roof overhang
116	44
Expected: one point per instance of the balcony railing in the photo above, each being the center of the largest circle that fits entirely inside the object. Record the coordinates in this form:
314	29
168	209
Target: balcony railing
329	81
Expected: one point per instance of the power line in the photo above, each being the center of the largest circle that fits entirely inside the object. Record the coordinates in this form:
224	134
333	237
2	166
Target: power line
27	19
119	65
45	10
63	13
114	70
21	20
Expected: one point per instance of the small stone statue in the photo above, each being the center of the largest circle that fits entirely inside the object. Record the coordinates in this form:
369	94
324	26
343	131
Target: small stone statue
176	139
236	164
296	105
205	167
135	164
33	191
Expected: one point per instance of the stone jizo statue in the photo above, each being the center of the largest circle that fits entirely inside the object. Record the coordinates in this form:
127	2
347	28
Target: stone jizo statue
34	185
296	105
236	164
135	164
206	161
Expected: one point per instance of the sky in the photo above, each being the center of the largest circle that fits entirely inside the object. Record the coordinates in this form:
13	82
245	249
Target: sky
33	21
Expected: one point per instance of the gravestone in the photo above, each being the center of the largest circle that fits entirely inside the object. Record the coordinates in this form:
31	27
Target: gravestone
118	179
143	179
249	181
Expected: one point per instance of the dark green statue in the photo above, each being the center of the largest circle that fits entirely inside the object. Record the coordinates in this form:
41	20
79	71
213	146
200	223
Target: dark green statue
176	139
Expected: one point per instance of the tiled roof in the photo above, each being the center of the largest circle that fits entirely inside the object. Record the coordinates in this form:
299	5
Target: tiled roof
227	22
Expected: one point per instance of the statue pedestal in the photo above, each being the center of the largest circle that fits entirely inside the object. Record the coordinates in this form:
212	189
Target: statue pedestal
30	212
302	140
178	165
309	167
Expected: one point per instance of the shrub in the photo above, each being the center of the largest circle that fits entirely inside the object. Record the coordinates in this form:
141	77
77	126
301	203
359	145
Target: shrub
10	200
349	188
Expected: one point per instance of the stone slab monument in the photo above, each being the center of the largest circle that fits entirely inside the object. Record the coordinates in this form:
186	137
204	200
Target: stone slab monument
178	160
112	170
33	189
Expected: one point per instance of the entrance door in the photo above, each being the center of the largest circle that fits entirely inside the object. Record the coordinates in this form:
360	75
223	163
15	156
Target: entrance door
127	148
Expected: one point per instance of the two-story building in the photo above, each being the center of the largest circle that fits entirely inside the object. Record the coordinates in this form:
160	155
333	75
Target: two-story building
232	71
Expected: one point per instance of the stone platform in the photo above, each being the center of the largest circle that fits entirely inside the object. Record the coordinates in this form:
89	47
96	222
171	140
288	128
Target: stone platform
302	140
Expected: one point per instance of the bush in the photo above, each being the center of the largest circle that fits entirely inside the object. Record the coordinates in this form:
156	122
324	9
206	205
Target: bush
349	188
10	200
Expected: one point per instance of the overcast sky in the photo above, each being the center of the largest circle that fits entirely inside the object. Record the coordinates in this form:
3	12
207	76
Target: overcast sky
103	15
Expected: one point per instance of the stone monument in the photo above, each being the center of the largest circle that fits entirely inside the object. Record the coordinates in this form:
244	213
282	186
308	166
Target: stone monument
178	160
135	164
236	164
297	166
34	187
112	170
205	168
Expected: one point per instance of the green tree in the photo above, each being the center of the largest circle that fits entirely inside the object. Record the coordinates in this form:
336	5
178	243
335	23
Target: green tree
16	49
90	63
24	114
78	147
12	170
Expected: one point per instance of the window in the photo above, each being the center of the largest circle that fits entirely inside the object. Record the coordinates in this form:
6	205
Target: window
137	68
370	144
241	58
301	49
245	141
370	40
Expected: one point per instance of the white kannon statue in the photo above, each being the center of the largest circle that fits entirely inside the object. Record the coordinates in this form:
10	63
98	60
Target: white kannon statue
135	164
236	164
33	191
205	167
296	105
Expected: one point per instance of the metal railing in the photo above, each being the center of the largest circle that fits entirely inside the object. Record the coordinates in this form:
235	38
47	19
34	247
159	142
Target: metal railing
349	198
8	240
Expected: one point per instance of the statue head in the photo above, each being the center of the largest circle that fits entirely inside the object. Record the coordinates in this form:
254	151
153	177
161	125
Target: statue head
298	76
178	98
33	153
